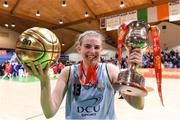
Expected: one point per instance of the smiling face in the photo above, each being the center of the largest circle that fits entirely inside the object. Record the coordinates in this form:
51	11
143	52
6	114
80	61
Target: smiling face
90	48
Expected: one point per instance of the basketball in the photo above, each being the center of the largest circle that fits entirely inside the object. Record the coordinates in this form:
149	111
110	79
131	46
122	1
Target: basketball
38	44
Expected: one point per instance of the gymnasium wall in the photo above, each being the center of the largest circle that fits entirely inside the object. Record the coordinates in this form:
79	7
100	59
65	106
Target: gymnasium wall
169	37
8	38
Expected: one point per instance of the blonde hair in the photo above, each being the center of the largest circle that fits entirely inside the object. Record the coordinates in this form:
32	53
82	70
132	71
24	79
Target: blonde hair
87	33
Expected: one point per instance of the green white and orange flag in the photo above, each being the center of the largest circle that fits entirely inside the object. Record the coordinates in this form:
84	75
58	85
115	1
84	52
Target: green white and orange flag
152	14
142	14
163	12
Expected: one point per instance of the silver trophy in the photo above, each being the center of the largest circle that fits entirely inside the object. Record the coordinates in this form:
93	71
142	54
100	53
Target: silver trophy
132	84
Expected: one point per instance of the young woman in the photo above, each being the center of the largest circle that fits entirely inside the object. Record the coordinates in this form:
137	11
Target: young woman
88	85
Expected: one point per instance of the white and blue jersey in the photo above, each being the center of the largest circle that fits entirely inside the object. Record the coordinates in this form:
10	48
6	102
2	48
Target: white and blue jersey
87	101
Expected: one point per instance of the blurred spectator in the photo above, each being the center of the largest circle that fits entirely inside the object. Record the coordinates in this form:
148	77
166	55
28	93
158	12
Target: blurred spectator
55	70
8	70
2	69
60	67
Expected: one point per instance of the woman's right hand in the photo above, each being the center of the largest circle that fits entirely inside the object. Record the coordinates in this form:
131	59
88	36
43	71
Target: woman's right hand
39	72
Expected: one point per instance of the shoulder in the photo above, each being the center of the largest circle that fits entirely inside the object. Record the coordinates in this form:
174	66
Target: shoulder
64	75
111	67
113	71
66	70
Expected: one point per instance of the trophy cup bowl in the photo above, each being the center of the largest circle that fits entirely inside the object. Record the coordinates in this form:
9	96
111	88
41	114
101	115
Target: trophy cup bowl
132	83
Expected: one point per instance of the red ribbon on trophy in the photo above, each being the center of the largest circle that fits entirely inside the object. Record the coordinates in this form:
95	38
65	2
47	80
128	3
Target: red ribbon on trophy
157	59
121	36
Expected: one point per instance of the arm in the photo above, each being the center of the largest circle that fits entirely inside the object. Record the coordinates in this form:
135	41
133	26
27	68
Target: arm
51	102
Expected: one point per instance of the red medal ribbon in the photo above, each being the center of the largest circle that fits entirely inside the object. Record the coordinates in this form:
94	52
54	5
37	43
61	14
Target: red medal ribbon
157	59
121	36
90	74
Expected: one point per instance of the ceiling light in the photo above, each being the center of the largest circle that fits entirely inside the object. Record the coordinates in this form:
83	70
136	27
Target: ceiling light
5	4
13	25
86	14
63	44
38	13
63	3
121	4
60	22
6	25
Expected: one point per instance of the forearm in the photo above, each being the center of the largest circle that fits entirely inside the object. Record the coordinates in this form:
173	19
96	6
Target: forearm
46	99
51	101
